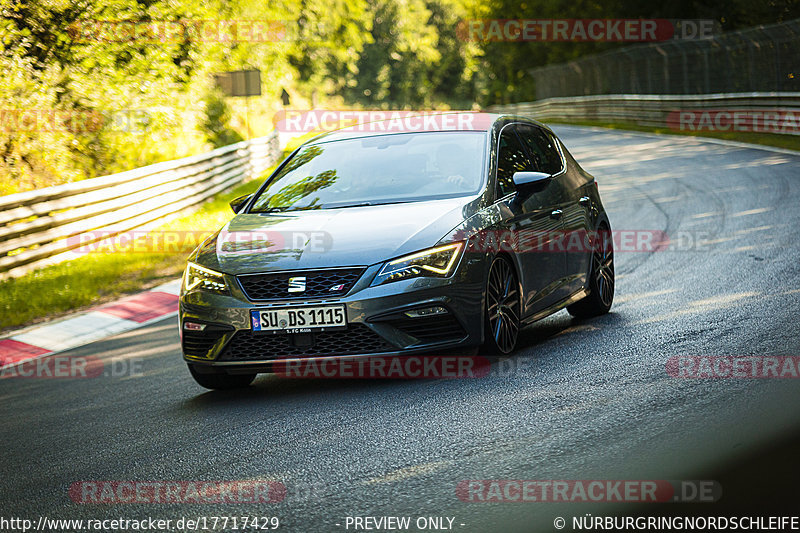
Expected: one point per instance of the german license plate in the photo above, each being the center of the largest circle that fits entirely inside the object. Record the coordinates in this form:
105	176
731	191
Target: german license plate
298	319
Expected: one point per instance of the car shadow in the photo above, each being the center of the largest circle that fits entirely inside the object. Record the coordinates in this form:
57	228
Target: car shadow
562	323
271	388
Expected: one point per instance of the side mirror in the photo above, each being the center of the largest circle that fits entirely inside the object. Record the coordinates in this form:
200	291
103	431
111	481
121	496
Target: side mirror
531	180
237	203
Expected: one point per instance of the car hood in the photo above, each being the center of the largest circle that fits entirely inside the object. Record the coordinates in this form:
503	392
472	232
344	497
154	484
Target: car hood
330	237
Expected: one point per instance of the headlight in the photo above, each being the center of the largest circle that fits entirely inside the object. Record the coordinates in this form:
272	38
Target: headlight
204	279
436	262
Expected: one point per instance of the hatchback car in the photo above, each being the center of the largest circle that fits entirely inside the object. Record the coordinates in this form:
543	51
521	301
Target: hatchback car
374	242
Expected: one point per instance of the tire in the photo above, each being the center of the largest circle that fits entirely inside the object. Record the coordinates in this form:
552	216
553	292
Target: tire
221	380
501	322
601	280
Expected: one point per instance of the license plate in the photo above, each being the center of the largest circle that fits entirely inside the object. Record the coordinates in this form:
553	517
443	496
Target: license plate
298	319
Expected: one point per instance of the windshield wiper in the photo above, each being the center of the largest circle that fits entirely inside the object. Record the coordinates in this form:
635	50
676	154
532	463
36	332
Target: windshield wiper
268	210
360	204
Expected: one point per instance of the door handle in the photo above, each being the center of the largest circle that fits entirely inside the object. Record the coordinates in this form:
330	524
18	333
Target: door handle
584	201
556	214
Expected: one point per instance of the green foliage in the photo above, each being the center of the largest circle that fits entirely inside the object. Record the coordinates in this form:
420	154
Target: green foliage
129	101
414	57
98	88
216	124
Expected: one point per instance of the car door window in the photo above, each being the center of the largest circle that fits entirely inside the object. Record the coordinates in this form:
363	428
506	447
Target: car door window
542	148
511	157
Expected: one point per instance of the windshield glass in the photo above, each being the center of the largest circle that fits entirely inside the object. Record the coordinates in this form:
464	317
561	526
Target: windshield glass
383	169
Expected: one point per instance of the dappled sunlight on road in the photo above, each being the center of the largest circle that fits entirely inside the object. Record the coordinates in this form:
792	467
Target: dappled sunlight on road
752	211
705	305
642	296
758	162
752	230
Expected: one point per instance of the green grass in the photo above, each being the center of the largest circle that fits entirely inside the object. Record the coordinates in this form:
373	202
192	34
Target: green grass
790	142
95	278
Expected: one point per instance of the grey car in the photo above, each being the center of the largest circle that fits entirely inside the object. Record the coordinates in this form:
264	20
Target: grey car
372	242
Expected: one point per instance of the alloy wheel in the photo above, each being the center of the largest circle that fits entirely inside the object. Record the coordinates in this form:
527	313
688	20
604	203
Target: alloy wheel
604	273
503	299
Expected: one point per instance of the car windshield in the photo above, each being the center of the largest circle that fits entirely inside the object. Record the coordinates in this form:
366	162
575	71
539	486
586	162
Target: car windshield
377	170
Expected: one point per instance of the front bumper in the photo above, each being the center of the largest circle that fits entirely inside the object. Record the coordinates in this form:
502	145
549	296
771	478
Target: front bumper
377	324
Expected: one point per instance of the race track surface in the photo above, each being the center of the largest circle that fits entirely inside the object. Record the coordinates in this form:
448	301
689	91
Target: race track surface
578	400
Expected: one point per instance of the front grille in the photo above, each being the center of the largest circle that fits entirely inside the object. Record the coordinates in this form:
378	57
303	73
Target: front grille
326	283
356	339
430	328
199	343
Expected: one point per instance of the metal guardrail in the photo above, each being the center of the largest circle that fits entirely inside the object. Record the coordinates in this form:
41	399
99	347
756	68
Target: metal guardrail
39	227
651	110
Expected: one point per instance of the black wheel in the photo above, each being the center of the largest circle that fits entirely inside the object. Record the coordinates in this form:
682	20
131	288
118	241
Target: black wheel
220	380
502	308
601	279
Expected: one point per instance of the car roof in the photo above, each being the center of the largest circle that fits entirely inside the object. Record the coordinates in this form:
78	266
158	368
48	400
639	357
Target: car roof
433	121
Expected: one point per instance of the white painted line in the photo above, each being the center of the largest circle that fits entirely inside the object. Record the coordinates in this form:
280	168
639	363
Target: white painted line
75	331
172	287
78	342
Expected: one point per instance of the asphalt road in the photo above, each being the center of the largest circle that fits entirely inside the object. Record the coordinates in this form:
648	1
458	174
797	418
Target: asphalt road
579	400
